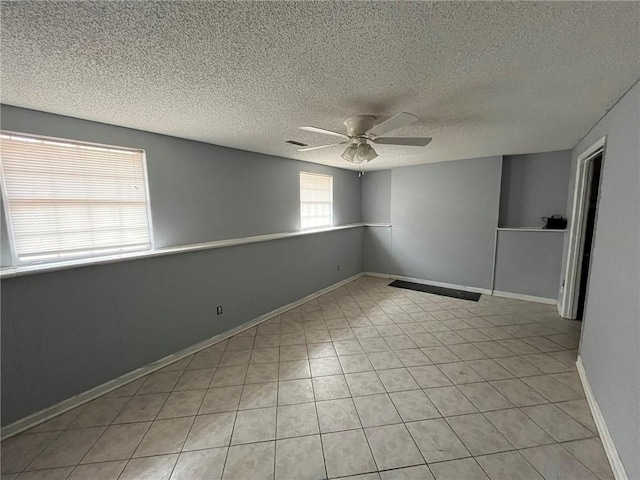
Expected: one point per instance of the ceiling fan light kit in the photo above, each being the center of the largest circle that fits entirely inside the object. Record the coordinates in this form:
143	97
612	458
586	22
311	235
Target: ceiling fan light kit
362	129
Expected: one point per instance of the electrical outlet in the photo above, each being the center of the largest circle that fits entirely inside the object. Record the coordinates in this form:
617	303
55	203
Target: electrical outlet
219	309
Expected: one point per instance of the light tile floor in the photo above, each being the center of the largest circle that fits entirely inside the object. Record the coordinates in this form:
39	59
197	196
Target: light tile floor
367	382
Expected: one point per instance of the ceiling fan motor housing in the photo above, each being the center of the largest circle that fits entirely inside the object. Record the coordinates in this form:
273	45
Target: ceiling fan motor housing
358	125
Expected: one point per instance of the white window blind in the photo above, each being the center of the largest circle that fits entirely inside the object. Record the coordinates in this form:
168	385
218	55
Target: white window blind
67	200
316	200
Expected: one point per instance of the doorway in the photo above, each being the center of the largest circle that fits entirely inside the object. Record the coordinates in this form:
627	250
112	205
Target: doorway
581	234
589	231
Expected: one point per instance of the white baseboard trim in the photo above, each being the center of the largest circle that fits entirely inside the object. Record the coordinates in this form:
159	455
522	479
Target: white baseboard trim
617	467
69	404
374	274
464	288
528	298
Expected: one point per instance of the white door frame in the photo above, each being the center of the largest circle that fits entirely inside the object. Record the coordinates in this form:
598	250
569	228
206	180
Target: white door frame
569	304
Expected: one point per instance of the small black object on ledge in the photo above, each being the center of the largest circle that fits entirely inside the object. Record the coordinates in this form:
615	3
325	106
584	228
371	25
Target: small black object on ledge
555	222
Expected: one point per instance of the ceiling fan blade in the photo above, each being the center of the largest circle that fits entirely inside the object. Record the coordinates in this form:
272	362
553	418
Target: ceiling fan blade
408	141
399	120
308	149
322	130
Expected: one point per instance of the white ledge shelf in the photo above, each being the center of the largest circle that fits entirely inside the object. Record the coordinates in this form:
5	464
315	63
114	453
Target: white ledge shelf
9	272
529	229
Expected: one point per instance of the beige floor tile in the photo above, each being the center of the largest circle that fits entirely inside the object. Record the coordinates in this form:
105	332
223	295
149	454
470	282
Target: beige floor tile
507	466
450	401
393	447
489	369
300	459
160	382
67	449
165	436
552	389
195	379
460	373
413	357
364	383
321	350
142	408
337	415
295	391
221	399
467	469
235	357
149	468
355	363
554	462
518	393
293	352
210	431
376	410
429	376
201	464
297	420
419	472
325	366
207	358
557	423
347	347
255	461
182	404
101	411
397	380
440	354
257	425
60	422
478	435
519	429
414	405
228	376
98	471
384	360
48	474
265	355
580	411
330	387
19	451
294	369
259	395
436	441
347	453
118	442
592	455
493	349
484	396
262	373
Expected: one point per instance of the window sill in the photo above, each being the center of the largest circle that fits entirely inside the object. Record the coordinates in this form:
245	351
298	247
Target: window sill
9	272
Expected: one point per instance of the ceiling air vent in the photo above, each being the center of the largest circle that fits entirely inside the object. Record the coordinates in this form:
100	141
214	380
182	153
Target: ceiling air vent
293	142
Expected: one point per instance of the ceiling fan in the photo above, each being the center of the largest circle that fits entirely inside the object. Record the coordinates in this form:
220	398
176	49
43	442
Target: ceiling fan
362	129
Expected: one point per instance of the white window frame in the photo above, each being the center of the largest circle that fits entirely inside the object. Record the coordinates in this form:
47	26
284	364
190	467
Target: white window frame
330	177
80	259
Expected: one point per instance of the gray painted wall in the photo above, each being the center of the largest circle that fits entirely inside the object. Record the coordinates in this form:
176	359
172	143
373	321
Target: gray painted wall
201	192
529	262
444	218
68	331
610	347
376	197
534	186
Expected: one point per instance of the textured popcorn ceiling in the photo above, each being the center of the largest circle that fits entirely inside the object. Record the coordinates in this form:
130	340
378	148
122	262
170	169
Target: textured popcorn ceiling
485	78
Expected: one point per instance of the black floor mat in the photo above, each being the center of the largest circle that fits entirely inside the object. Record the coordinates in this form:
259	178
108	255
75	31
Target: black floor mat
445	292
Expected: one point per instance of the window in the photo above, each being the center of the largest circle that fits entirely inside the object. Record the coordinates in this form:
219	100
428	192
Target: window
316	200
66	199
